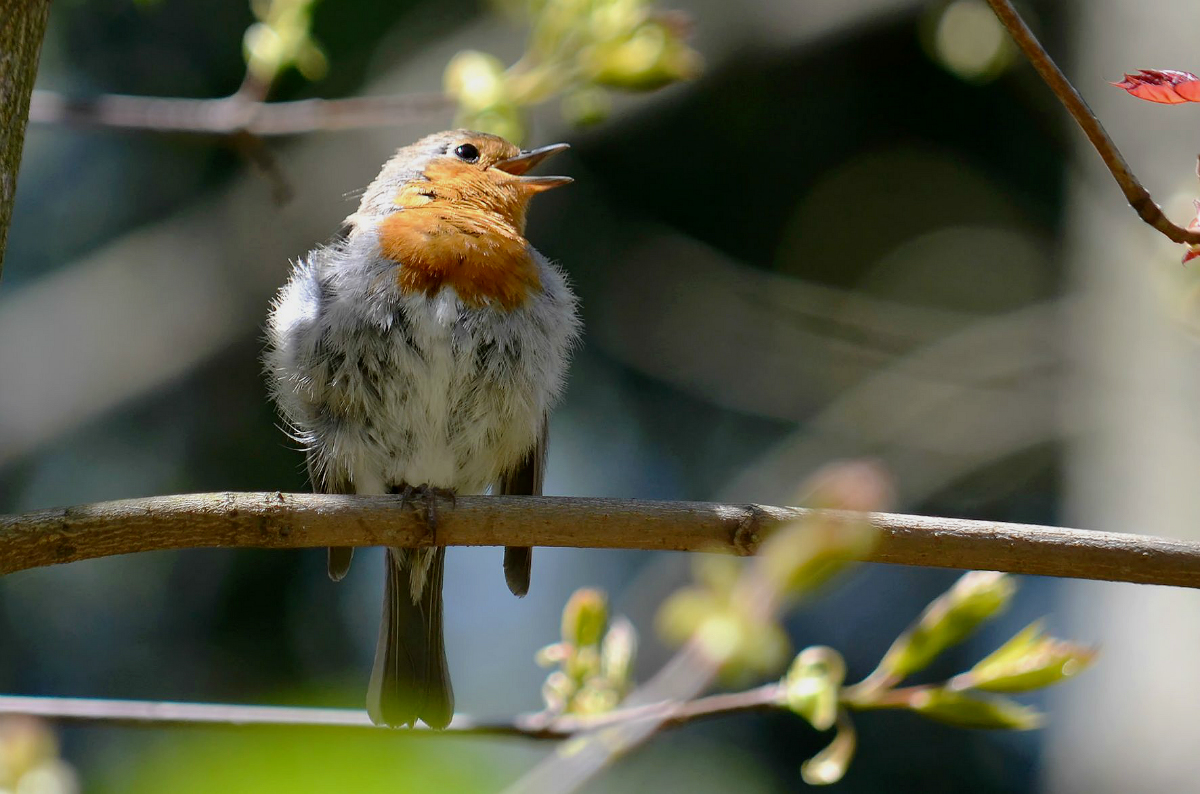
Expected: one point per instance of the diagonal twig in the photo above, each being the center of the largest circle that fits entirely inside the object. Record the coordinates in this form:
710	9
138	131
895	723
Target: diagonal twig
1137	195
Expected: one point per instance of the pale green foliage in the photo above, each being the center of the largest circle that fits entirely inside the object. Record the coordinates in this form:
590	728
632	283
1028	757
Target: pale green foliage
732	610
731	613
282	38
976	597
814	688
594	659
812	685
29	759
973	711
744	643
1030	660
805	554
577	49
829	765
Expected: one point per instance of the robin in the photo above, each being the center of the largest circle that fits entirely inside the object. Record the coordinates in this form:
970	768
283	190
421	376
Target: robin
420	354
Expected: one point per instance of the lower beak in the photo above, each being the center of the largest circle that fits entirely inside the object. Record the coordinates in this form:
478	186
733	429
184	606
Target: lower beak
523	162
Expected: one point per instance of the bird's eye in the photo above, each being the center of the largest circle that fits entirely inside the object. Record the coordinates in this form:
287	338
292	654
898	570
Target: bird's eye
468	152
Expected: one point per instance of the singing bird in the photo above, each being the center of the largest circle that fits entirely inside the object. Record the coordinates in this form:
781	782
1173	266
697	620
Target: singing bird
420	354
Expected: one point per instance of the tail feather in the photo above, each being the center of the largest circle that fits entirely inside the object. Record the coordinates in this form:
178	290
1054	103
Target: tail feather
340	558
410	680
518	565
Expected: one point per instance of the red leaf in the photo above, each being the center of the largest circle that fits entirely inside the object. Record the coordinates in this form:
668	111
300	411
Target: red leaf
1166	86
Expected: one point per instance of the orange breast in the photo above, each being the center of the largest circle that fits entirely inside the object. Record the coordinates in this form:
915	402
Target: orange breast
473	252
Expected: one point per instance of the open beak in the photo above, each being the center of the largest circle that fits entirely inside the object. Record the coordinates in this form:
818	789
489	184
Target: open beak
523	162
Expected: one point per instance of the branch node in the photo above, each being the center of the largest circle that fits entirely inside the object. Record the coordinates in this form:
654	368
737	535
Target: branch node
748	534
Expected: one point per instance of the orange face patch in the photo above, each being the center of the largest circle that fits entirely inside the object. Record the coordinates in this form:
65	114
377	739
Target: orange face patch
463	227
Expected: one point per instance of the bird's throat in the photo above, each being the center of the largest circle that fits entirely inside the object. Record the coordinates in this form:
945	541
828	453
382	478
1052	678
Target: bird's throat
478	254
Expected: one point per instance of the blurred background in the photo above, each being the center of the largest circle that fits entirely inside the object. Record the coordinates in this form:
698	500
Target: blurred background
866	230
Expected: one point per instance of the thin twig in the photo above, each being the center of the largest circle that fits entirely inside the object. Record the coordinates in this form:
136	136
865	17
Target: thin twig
233	114
144	713
1137	195
253	92
279	520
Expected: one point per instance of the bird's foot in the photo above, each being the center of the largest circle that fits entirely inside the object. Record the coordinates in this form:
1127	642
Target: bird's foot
424	498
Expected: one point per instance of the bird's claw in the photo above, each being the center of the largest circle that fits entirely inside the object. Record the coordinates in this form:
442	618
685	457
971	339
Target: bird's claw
427	495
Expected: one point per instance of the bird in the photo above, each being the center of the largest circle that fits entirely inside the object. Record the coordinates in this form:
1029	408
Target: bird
419	353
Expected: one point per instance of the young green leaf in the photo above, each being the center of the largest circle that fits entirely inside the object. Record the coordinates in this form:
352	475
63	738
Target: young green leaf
975	597
971	711
1030	660
829	765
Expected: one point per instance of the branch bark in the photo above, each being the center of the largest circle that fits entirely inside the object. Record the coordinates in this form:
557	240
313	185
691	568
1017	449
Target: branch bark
22	28
279	520
1137	195
239	113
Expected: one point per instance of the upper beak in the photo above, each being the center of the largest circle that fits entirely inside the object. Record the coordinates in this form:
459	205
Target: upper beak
527	160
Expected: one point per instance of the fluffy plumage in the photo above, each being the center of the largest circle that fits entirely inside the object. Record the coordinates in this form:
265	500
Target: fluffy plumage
446	384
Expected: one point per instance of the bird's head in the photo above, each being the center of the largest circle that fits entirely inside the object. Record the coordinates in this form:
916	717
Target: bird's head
451	209
460	171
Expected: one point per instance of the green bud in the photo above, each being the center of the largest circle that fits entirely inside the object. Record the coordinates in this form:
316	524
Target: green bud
583	664
552	655
26	743
829	765
683	612
585	617
970	711
282	37
263	49
617	653
611	19
594	698
1030	660
555	23
813	683
586	106
739	645
763	651
557	691
718	573
807	552
475	80
722	635
651	57
974	598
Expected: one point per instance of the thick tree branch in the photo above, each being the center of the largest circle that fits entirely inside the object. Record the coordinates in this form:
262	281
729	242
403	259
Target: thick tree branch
1137	195
239	113
22	28
279	520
